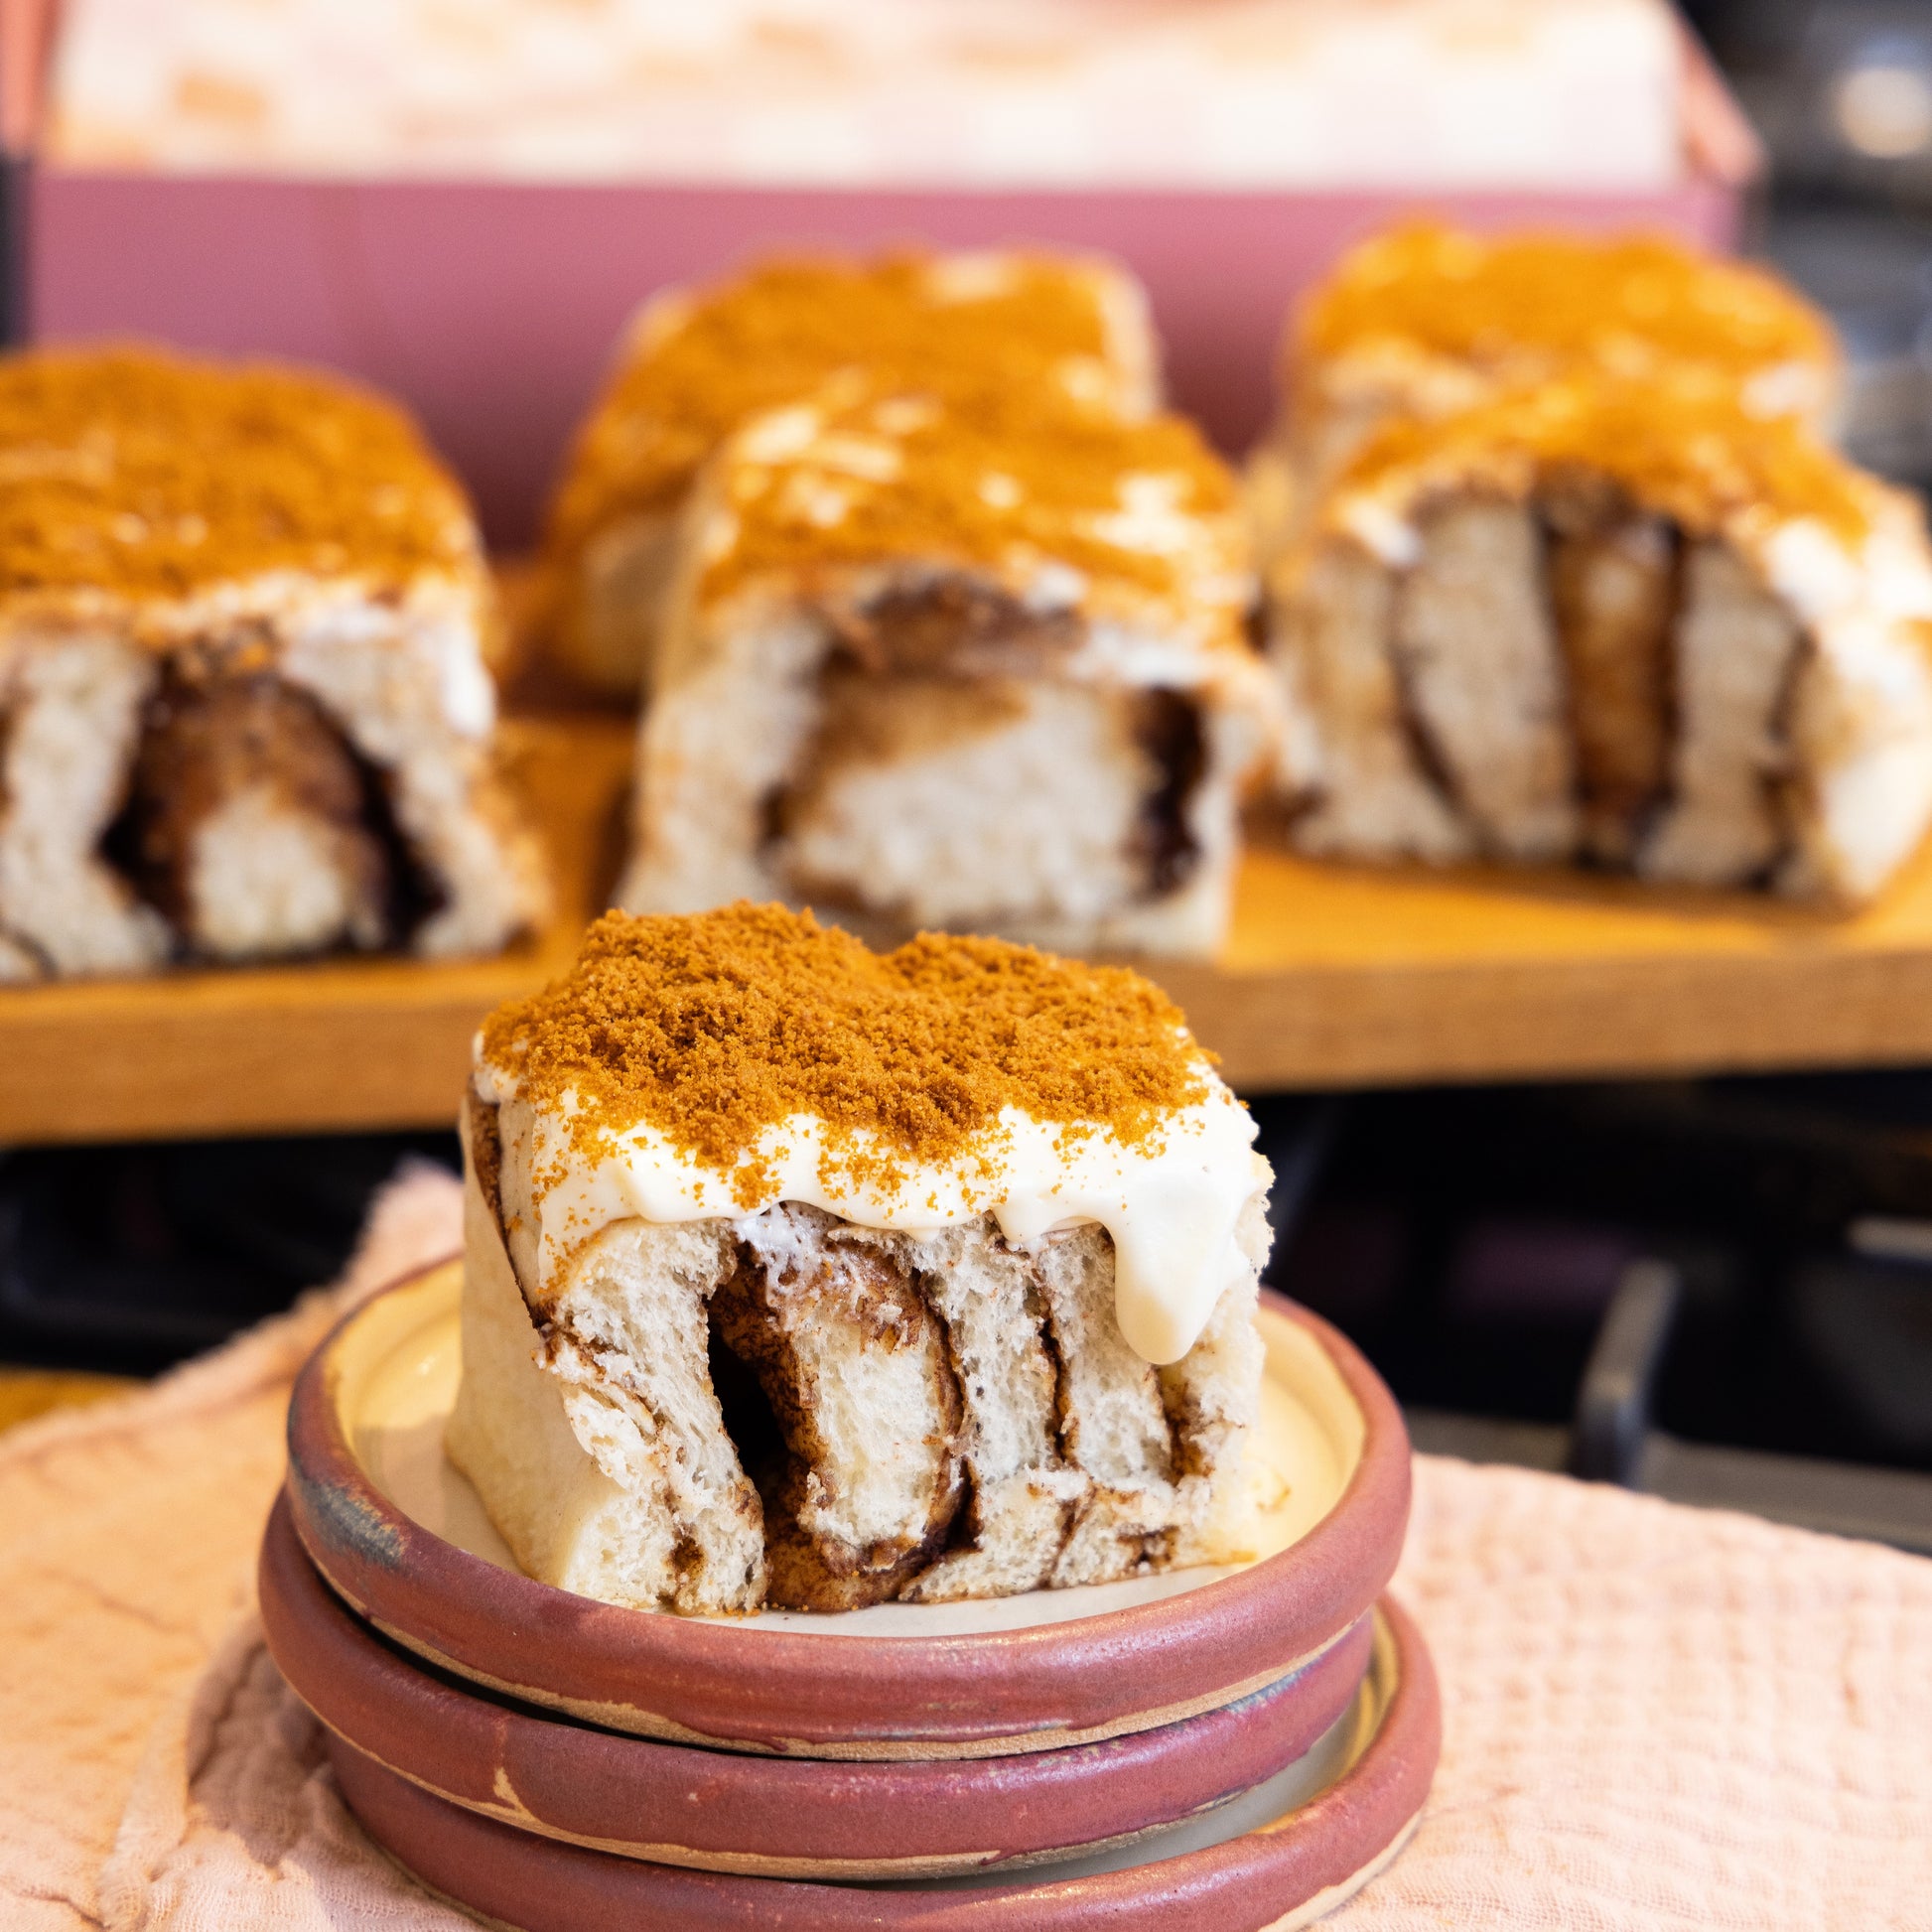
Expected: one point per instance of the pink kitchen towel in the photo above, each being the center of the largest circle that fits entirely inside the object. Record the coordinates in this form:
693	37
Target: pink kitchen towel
1656	1718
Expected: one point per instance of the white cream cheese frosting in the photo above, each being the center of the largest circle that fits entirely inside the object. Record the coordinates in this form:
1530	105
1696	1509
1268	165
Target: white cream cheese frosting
1171	1202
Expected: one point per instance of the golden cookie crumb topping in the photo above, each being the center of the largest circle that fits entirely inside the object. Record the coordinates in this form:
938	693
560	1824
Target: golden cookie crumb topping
713	1028
1682	448
1531	305
1018	486
700	367
145	474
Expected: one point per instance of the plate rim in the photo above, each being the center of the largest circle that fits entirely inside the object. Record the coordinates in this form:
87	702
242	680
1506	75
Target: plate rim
1282	1874
804	1693
755	1813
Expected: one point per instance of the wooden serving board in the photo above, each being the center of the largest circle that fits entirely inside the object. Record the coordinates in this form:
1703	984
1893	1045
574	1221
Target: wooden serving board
1351	976
1332	976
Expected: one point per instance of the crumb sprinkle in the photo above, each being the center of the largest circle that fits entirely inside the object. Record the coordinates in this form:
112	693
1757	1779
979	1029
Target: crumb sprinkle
1536	304
778	331
135	471
1142	507
714	1028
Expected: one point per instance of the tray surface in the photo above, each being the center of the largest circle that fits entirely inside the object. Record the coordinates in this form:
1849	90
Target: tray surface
725	1811
402	1535
1346	975
1274	1859
1331	975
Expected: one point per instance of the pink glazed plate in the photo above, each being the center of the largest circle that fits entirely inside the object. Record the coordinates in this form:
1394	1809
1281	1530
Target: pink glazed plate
1279	1858
774	1817
400	1534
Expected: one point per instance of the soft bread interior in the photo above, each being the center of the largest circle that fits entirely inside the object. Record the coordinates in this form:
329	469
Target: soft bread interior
956	774
1735	648
654	1507
855	1368
942	1416
70	720
1474	641
510	1434
1372	795
945	800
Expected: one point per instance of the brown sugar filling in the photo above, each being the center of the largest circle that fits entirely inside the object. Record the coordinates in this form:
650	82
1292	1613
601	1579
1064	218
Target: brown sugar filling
1615	584
757	1316
953	625
712	1028
863	718
754	1374
485	1143
1169	728
220	727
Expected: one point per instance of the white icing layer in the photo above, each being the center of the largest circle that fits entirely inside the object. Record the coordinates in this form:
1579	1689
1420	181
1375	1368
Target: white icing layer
1170	1203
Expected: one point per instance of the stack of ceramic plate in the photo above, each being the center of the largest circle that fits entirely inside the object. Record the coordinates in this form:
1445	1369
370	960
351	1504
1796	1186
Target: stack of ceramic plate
1214	1748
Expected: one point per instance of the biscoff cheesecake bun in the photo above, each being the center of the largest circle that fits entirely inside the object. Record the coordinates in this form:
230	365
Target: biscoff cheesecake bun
805	1277
697	363
244	712
972	660
1627	621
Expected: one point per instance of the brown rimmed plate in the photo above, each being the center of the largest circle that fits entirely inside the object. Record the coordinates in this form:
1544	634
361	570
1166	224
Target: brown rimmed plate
1279	1858
401	1537
803	1818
